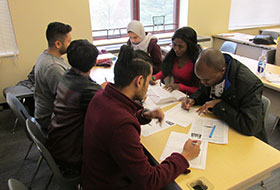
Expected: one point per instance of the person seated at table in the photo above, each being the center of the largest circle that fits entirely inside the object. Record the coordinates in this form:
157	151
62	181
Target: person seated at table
74	92
113	157
231	91
178	65
139	39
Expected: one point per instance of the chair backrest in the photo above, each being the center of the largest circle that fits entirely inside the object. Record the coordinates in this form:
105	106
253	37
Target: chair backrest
266	106
14	184
271	33
18	108
228	46
37	137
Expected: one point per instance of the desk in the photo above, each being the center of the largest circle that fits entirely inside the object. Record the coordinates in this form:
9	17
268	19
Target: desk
245	47
272	91
243	162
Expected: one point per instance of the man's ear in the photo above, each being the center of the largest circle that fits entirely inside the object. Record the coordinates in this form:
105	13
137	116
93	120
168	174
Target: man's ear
58	44
139	81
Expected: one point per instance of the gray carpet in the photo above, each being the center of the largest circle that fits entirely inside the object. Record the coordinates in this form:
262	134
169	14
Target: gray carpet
13	148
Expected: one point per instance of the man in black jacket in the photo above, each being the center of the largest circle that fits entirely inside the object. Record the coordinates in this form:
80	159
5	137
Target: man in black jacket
231	91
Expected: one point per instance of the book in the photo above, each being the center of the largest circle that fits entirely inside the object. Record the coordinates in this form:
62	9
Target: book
159	95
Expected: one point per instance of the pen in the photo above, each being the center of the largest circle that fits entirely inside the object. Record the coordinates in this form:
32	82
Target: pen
213	129
106	79
187	101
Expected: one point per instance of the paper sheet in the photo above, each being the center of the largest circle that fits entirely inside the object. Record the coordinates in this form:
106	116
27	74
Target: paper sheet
176	142
180	116
202	127
154	127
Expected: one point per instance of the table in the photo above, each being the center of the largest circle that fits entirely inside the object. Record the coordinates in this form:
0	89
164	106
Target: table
243	162
245	47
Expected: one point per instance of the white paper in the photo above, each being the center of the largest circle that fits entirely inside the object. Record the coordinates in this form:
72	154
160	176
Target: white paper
176	142
273	78
181	116
154	126
201	129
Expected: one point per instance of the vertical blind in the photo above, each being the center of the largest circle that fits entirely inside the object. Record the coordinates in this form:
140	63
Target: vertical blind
8	45
253	13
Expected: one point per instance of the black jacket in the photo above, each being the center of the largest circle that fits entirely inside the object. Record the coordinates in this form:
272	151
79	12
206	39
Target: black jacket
241	106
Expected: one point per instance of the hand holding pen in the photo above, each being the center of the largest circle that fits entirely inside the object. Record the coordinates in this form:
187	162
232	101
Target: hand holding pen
187	103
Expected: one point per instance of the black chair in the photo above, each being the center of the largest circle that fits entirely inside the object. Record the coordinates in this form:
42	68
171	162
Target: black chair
14	184
65	182
21	115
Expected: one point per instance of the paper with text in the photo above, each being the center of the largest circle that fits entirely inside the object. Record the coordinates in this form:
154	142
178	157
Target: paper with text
201	129
180	116
154	126
176	142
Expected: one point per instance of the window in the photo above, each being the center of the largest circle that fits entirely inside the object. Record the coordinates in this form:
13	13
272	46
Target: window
253	13
8	45
109	18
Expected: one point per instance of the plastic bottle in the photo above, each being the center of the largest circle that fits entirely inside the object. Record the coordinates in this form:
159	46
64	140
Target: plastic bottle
261	64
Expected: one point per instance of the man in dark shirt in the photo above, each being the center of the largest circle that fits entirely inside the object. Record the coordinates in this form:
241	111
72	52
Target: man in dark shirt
113	157
74	92
231	91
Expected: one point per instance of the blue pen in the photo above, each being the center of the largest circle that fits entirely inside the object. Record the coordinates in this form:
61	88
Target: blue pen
213	129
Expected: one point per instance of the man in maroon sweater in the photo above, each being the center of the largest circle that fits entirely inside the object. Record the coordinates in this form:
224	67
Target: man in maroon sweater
113	157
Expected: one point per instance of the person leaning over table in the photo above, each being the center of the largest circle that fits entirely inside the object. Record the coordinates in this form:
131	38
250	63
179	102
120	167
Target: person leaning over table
49	68
74	92
113	157
139	39
178	65
231	91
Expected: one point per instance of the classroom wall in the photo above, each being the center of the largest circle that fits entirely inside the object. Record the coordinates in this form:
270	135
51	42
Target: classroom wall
212	17
30	19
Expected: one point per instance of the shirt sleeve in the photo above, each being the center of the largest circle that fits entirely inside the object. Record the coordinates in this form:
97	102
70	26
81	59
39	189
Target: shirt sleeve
53	75
159	75
129	154
190	89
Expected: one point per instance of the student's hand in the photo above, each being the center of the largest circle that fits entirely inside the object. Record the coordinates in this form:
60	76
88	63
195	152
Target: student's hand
187	104
171	87
104	84
191	149
154	114
210	104
153	81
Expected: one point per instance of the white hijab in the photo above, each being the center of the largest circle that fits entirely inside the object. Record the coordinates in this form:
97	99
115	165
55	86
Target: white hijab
138	28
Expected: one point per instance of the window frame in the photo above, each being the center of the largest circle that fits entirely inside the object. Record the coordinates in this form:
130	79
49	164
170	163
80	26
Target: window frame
135	8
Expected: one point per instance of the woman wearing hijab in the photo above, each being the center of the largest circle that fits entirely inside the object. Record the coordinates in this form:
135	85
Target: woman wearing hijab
146	42
178	65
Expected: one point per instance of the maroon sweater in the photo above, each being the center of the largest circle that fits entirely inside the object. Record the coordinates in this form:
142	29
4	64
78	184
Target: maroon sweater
113	157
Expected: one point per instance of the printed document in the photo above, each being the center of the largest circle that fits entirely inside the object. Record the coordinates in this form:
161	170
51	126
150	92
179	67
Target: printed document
202	128
154	126
176	142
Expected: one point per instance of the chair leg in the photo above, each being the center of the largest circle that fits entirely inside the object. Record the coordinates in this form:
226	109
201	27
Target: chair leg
49	182
28	151
275	124
36	171
15	125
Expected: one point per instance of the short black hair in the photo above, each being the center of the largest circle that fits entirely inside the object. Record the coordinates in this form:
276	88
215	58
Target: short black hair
131	63
82	55
57	31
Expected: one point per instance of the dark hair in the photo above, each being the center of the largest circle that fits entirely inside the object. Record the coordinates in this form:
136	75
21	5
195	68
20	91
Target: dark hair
188	35
130	64
82	55
57	31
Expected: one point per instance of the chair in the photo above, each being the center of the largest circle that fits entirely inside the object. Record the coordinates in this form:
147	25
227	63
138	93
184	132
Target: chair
266	106
66	182
228	46
158	21
14	184
21	115
271	33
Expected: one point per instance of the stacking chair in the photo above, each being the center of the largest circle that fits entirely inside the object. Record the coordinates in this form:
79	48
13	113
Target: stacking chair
266	106
14	184
21	115
65	182
158	21
228	46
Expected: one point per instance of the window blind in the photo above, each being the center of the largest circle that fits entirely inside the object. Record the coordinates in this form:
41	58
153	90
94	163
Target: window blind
253	13
8	45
